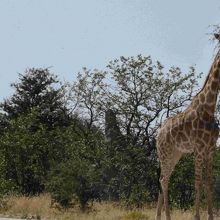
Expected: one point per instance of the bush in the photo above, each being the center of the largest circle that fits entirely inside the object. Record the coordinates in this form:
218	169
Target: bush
28	149
80	176
132	176
182	183
216	196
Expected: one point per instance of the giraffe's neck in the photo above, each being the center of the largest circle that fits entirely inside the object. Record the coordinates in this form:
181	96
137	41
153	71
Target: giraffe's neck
205	100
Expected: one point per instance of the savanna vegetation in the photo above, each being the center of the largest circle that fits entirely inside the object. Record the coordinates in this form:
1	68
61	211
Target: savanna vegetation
40	208
92	140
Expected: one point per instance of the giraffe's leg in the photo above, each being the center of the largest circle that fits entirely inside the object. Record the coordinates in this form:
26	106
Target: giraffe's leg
159	206
167	167
164	184
209	184
198	183
163	196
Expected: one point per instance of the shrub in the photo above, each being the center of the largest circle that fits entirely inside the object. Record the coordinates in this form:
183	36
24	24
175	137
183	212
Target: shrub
79	177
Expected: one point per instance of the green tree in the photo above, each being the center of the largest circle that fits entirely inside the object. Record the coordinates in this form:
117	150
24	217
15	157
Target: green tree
28	153
182	184
88	95
216	170
141	93
30	123
79	178
144	93
38	88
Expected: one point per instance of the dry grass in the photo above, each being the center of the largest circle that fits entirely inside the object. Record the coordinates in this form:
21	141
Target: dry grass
40	208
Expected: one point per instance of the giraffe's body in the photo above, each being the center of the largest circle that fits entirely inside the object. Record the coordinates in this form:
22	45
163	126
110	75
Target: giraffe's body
193	131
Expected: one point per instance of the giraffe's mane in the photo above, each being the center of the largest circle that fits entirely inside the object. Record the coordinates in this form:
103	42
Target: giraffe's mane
208	76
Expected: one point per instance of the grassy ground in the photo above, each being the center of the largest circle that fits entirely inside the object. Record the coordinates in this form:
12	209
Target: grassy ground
40	208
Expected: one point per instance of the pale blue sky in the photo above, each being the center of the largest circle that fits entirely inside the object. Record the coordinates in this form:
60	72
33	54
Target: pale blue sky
70	34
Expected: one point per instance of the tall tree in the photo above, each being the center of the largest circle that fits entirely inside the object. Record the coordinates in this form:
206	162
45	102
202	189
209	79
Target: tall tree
141	94
30	125
144	93
37	88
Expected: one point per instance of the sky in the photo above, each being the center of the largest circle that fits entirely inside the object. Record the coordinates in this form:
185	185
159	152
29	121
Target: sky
67	35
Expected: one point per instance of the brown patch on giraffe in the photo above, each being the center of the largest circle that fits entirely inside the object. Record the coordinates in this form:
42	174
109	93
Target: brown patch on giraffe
179	137
183	137
210	107
168	151
206	136
181	127
216	73
200	147
210	97
174	132
196	102
201	124
191	116
199	133
188	126
214	85
188	132
168	138
216	64
206	116
202	98
194	124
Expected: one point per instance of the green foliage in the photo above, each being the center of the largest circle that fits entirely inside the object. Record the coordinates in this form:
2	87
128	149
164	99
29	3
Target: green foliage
141	94
132	176
28	148
37	88
182	183
79	177
30	125
217	179
7	185
45	143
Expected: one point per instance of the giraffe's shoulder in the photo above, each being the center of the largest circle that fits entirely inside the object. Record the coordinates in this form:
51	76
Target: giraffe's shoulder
190	115
175	120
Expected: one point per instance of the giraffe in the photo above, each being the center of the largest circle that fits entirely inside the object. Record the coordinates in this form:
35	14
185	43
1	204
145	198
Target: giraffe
196	131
